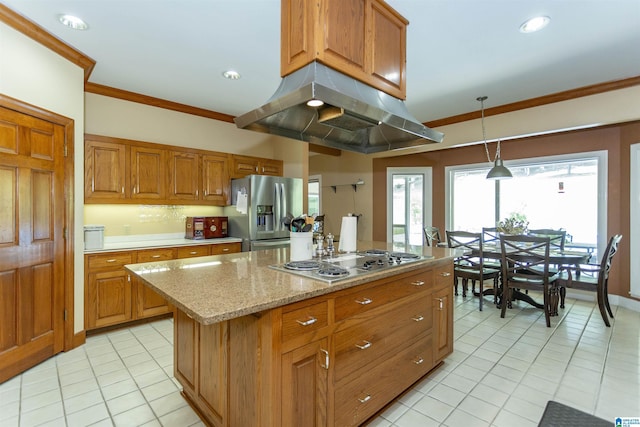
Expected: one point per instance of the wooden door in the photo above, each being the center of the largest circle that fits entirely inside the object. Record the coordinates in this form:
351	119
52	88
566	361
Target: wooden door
147	173
215	179
183	175
32	218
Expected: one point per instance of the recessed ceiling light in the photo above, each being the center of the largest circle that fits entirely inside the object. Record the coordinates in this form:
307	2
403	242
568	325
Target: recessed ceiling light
231	75
315	102
73	22
534	24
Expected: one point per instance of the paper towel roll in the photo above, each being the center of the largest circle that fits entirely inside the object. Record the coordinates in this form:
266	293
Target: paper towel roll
348	234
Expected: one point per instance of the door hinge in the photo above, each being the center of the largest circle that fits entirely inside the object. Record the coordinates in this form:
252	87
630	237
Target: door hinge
65	233
64	315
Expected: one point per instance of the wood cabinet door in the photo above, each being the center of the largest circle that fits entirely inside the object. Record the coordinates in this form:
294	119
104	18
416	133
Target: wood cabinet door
104	171
271	167
388	46
109	298
149	302
183	175
242	166
215	180
148	176
225	248
304	385
442	322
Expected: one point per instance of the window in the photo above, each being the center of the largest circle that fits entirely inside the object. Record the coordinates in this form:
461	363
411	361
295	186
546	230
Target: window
314	200
559	192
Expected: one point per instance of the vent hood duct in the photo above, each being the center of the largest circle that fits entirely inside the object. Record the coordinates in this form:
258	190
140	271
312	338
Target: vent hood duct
354	117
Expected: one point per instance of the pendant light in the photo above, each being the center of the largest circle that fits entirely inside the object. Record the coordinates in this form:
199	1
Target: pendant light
498	171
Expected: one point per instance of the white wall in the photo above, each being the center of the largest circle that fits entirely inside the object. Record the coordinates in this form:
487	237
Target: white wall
33	74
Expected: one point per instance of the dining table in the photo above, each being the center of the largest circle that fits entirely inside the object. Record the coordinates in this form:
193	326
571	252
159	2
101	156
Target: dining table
558	257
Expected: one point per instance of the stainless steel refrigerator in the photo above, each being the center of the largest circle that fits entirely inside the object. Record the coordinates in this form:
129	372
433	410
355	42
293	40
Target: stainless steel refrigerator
258	205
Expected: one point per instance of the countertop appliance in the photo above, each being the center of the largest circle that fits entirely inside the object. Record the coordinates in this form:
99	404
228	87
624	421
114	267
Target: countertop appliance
206	227
349	266
258	204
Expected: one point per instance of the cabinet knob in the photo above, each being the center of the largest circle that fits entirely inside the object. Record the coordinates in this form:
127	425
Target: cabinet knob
364	301
441	301
364	346
308	322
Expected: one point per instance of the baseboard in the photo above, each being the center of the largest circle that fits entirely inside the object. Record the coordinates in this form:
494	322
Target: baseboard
627	303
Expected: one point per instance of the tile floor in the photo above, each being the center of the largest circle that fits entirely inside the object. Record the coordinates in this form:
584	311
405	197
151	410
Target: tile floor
502	373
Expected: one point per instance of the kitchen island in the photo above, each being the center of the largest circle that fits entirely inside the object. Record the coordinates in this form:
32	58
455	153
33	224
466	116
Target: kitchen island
255	346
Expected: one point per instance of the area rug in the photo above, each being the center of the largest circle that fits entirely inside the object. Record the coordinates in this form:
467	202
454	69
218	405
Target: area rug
559	415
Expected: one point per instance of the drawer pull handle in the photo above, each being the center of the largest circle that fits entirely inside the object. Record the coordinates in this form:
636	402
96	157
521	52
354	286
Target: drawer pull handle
111	260
326	359
418	318
364	301
445	274
225	250
364	346
441	301
155	256
418	283
418	361
364	399
311	321
193	252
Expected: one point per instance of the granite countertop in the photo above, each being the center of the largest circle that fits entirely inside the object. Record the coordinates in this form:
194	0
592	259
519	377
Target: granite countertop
148	241
214	288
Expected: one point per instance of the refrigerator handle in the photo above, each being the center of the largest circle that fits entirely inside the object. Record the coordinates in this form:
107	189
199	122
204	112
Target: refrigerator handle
283	199
277	214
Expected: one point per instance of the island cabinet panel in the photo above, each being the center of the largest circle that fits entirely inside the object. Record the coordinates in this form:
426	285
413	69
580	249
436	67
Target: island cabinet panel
305	385
319	362
148	302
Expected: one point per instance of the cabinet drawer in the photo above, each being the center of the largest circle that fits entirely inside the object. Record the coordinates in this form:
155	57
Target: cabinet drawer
304	320
111	260
368	298
371	339
225	248
443	275
360	396
193	251
151	255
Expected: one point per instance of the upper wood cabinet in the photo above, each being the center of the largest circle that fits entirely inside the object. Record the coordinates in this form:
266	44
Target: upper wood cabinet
242	166
365	39
125	171
105	170
148	173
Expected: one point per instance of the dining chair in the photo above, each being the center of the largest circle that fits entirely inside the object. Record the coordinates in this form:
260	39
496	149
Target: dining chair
557	238
491	236
592	277
469	263
525	265
432	235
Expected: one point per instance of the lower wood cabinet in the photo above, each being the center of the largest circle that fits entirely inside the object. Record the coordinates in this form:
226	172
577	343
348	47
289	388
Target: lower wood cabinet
327	361
113	297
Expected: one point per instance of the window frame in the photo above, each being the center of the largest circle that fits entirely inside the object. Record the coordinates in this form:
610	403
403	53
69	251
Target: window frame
601	156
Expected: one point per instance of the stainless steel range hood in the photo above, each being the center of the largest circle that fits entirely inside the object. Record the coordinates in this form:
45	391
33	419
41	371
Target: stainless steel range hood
354	117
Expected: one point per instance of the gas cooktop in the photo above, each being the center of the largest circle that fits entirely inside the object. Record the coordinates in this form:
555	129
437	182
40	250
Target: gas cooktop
348	266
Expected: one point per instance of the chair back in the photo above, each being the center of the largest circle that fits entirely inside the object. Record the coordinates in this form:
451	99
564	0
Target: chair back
432	235
557	238
470	249
491	235
525	260
607	258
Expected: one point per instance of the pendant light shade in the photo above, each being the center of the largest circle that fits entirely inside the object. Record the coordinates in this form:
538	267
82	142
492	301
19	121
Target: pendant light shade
498	171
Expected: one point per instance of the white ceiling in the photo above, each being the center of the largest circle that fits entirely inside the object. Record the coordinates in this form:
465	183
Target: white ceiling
457	50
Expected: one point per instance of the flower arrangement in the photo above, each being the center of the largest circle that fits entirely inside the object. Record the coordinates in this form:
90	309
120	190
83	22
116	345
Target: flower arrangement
516	223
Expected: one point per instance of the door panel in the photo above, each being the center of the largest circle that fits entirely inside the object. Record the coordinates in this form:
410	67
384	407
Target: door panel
31	241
